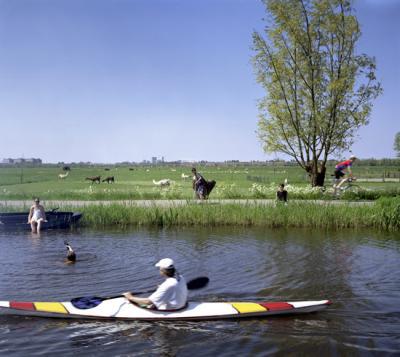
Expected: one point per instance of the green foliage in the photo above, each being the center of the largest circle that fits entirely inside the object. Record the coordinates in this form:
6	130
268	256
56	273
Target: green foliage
320	91
396	146
225	190
389	213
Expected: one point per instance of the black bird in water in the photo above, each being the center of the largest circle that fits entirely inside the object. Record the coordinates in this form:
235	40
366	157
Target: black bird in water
71	256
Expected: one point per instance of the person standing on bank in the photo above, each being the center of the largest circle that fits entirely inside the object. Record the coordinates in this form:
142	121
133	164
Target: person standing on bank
170	295
199	185
281	194
36	216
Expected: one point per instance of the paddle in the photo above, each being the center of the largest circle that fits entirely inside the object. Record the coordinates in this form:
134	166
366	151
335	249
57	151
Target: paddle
87	302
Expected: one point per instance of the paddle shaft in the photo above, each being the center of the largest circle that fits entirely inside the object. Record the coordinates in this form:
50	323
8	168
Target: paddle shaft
118	296
193	284
87	302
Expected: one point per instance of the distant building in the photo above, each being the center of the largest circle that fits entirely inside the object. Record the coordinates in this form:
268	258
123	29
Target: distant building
22	161
33	161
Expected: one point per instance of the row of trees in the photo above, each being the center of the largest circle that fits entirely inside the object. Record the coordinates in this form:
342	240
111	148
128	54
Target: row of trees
319	90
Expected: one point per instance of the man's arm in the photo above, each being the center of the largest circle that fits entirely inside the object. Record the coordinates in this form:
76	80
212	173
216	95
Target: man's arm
349	171
30	215
137	300
43	212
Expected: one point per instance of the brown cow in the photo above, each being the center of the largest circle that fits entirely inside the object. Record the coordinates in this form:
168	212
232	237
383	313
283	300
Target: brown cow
109	179
94	179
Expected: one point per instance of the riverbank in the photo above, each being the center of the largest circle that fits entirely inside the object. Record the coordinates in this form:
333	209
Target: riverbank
382	214
50	204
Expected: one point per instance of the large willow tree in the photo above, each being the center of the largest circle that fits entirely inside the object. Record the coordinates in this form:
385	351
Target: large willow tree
319	90
396	145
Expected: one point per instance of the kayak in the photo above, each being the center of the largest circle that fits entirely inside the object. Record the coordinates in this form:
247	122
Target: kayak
120	309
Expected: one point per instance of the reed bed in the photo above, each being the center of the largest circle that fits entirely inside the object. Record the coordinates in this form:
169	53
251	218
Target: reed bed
384	214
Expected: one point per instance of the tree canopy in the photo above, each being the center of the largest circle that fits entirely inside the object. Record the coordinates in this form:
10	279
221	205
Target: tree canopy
319	91
396	146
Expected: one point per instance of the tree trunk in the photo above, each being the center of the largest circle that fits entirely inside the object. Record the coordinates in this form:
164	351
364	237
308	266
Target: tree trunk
320	177
317	174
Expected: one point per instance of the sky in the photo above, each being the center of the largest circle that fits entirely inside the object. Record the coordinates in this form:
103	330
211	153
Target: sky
125	80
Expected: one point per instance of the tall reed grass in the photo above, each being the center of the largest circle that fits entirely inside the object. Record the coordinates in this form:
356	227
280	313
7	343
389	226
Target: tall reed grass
384	214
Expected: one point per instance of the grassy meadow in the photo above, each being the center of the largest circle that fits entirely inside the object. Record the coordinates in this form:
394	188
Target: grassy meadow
136	182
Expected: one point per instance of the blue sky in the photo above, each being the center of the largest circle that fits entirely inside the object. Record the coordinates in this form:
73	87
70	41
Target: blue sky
125	80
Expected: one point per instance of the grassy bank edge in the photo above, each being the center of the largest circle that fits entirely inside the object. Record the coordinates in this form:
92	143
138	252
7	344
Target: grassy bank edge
383	214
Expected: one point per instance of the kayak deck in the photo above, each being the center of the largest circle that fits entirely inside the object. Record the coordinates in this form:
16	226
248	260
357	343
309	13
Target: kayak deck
120	308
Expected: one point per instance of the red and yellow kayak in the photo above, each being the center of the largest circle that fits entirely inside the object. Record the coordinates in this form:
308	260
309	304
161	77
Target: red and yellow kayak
120	309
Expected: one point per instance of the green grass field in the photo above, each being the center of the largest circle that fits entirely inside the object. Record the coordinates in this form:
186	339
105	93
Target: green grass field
232	182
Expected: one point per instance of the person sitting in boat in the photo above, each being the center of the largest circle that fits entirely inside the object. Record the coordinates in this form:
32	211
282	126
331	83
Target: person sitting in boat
37	215
170	295
281	194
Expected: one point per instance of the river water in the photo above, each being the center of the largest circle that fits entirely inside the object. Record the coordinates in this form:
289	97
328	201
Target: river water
357	270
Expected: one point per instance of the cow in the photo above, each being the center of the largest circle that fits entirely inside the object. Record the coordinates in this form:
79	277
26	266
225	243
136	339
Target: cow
94	179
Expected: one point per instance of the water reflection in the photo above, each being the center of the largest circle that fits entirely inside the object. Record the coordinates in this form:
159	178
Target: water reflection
357	270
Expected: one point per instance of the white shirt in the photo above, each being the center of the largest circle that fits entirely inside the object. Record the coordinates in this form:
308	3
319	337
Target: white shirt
171	294
37	214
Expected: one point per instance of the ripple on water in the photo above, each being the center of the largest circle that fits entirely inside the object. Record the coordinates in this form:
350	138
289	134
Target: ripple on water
357	271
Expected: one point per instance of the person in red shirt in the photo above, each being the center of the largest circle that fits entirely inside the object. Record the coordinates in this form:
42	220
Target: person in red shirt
340	174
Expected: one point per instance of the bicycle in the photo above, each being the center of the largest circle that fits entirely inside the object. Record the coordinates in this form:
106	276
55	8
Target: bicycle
348	186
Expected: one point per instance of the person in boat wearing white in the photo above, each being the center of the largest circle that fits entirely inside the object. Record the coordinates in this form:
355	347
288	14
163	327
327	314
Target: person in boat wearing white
37	215
170	295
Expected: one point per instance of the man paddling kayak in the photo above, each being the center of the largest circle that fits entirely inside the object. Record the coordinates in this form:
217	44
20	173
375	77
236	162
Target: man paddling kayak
170	295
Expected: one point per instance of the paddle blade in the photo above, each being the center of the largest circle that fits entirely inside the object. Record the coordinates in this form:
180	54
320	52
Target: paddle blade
198	283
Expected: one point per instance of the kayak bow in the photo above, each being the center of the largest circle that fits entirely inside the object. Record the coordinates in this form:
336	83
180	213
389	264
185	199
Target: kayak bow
120	308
